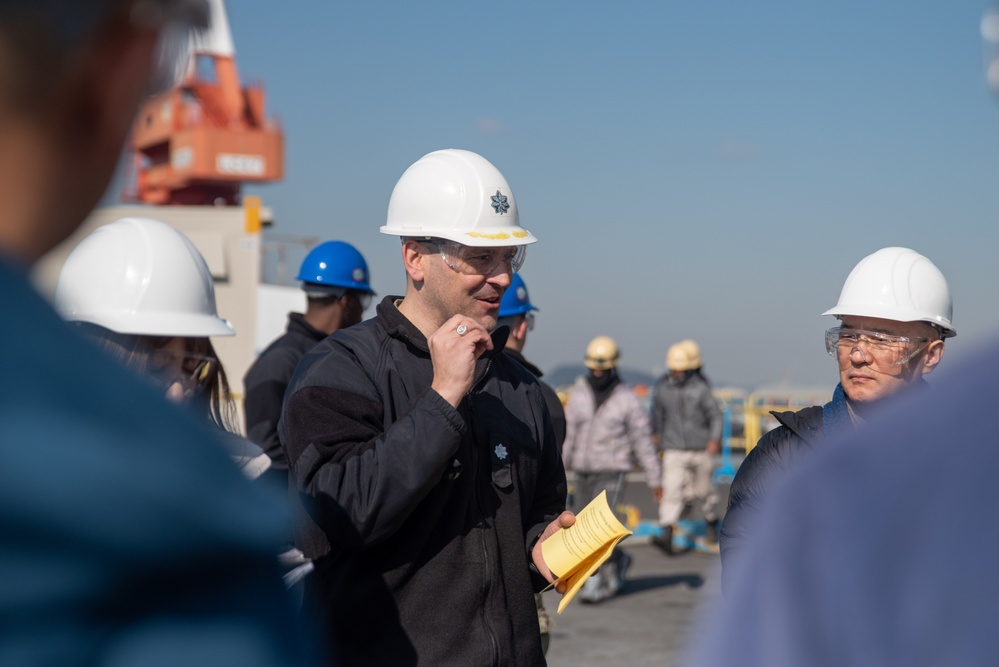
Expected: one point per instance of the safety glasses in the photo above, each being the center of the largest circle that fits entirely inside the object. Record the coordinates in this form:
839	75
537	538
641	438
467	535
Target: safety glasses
193	372
476	261
880	349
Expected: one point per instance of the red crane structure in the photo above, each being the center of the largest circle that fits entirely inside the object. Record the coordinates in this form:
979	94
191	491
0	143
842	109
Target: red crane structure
199	141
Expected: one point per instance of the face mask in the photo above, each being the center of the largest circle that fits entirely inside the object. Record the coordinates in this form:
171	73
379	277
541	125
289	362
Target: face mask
601	383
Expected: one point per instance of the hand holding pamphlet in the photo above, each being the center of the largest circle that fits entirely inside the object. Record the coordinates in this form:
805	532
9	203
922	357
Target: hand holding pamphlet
575	553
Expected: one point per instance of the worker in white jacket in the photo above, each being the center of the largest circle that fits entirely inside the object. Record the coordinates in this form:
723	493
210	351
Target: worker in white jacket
607	429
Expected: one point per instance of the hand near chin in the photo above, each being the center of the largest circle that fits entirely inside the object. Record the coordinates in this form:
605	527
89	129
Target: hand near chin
454	349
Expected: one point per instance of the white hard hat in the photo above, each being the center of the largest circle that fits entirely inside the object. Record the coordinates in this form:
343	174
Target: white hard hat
456	195
897	284
140	276
601	353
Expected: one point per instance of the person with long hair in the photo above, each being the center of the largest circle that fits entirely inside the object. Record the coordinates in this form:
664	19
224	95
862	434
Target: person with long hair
143	292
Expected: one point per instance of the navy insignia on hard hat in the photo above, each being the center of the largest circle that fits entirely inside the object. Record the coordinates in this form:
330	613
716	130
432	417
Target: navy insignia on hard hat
521	293
500	203
358	274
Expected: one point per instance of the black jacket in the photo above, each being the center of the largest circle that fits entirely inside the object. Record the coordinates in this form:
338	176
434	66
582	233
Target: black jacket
799	433
555	408
266	381
429	513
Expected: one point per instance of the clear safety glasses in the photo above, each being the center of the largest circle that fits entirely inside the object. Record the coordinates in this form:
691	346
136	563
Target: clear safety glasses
475	261
530	321
879	349
191	371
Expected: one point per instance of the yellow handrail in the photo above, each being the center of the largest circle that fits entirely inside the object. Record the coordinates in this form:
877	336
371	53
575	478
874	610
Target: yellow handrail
760	403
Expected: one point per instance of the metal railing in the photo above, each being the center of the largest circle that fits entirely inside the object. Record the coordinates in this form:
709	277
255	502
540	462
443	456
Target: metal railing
760	403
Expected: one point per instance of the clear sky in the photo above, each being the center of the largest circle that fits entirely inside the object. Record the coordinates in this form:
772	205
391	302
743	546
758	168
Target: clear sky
710	170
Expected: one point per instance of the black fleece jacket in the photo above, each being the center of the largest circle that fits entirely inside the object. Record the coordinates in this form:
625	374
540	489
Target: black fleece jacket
266	381
423	515
555	408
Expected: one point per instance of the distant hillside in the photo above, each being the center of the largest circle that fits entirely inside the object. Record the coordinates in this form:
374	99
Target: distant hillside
566	375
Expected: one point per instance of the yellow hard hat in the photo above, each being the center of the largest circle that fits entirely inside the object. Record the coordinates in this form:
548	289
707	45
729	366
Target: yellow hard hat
683	356
601	354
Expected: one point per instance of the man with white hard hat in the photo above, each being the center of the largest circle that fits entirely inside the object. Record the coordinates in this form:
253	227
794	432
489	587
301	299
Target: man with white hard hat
895	313
425	456
914	583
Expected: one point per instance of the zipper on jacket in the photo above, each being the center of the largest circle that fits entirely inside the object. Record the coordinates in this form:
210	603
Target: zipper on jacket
481	521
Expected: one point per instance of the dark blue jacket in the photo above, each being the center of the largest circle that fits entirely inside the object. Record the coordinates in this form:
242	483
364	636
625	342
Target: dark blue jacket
799	434
127	535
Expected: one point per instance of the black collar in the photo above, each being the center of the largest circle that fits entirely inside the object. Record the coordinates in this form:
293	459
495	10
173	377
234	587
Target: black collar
399	326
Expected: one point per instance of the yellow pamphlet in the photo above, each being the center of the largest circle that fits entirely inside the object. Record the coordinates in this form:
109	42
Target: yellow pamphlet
575	553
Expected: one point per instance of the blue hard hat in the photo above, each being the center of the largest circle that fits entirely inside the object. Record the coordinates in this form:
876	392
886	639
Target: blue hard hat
335	264
515	300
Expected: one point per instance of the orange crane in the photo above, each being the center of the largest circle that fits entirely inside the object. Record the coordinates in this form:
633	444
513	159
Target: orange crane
198	142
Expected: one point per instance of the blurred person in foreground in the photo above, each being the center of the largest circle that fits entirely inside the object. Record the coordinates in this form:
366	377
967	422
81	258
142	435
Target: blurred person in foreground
607	430
129	537
336	283
895	312
424	456
516	312
687	427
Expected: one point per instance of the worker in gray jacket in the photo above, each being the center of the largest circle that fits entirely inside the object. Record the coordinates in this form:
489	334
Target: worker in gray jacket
687	424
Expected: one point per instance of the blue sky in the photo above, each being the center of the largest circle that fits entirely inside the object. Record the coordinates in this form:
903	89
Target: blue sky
704	170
